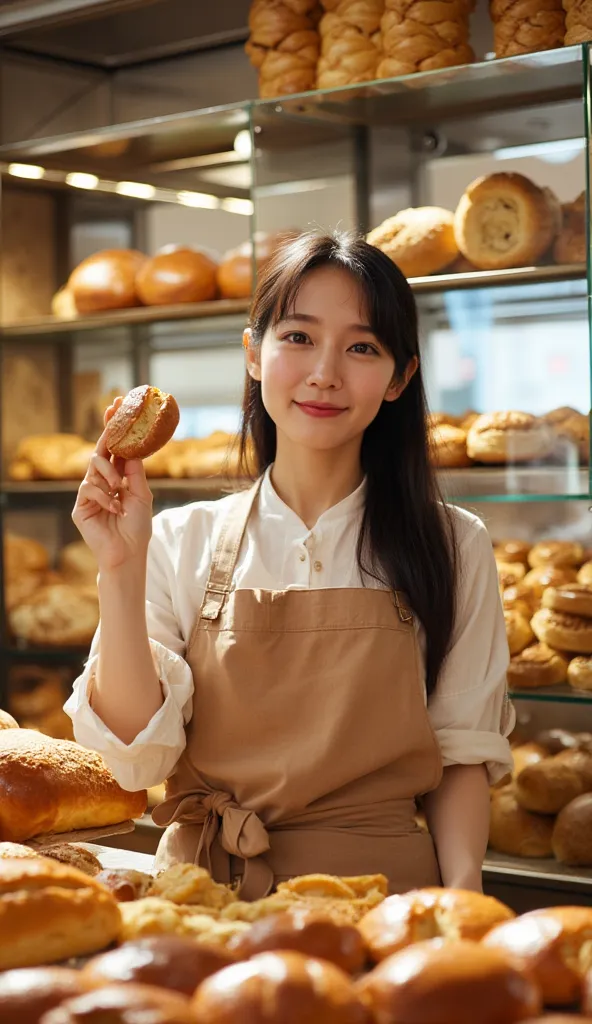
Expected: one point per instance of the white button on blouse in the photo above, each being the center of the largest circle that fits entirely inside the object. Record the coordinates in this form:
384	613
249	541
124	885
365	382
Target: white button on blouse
469	710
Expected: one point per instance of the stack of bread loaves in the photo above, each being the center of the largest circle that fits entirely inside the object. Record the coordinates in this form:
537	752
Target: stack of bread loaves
350	42
578	21
523	26
284	45
418	35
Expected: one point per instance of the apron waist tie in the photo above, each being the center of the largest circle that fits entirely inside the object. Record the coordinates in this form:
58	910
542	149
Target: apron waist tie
235	830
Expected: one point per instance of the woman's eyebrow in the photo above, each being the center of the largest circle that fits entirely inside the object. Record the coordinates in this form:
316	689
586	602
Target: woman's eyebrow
307	318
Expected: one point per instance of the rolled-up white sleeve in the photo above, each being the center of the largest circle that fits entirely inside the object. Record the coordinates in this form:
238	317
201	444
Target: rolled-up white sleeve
470	711
153	754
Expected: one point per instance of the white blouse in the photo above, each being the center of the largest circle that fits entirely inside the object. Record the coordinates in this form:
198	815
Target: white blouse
469	711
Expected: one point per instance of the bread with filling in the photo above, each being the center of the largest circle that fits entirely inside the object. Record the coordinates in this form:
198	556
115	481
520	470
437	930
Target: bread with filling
508	437
419	240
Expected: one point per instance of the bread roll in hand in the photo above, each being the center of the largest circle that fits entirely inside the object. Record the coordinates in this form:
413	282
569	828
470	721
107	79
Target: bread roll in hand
144	422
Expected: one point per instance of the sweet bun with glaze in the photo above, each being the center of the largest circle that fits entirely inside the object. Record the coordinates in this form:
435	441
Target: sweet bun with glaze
537	580
518	632
124	1004
573	598
305	931
510	550
579	673
451	983
145	421
177	274
548	786
27	993
563	554
509	437
287	986
562	631
536	666
419	240
106	280
167	961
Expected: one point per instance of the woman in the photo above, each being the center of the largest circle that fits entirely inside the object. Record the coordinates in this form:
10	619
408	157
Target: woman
305	659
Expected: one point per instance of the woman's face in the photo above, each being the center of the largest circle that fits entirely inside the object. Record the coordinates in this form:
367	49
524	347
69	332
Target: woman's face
323	373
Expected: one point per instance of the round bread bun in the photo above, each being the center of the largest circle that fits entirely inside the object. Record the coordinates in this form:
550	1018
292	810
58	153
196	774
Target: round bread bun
572	834
536	666
537	580
451	983
167	961
555	741
520	598
405	919
548	786
235	273
563	554
14	851
298	988
504	220
77	564
35	690
124	1004
305	931
106	280
509	574
510	551
585	573
570	244
177	274
77	856
518	632
50	912
63	305
125	883
527	753
573	598
60	615
448	447
576	432
7	721
547	944
23	555
419	240
564	632
515	831
508	437
579	673
29	992
563	412
146	419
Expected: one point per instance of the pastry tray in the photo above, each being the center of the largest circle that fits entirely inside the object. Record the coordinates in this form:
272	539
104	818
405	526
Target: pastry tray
81	835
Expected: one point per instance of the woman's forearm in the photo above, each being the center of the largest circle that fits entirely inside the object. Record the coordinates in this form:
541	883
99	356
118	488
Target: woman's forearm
457	813
126	691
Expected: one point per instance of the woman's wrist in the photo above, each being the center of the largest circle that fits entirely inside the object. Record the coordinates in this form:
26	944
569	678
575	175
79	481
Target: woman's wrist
124	583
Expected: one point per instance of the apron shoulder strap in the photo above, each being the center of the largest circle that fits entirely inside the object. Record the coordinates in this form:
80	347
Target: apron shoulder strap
226	552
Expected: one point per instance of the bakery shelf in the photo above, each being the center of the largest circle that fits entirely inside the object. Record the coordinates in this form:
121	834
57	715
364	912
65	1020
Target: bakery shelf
544	873
206	312
564	694
44	655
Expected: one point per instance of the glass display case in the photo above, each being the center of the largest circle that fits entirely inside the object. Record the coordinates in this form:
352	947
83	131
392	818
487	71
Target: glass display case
515	338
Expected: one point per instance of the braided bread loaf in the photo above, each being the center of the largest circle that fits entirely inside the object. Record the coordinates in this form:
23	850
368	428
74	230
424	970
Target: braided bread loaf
419	35
284	45
350	42
523	26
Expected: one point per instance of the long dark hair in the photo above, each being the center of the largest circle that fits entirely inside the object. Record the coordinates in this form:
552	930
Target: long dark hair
406	539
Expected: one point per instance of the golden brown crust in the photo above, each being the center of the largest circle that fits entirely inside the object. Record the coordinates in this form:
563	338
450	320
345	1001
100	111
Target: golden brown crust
50	911
187	883
573	598
422	37
177	274
14	851
49	785
527	753
537	580
35	690
76	856
448	447
549	785
518	632
235	273
560	553
125	883
28	993
504	220
456	981
511	550
521	598
536	666
419	240
106	280
23	555
145	421
155	916
509	574
305	931
294	985
401	921
572	834
124	1004
7	721
515	831
547	943
570	244
574	432
585	573
510	436
579	673
564	632
167	961
57	615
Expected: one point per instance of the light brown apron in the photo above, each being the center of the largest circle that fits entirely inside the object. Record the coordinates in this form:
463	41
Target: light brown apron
309	740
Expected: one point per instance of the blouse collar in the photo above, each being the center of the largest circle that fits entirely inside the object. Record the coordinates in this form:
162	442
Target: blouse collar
270	503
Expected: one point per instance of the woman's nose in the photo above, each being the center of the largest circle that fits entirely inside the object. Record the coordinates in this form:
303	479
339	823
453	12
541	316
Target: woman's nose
325	372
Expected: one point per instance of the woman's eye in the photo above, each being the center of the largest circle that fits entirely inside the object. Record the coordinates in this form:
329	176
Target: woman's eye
364	349
296	337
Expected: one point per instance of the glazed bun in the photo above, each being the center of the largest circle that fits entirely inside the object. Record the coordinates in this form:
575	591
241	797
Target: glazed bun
509	551
549	785
517	832
451	983
28	993
560	553
563	632
419	240
7	721
572	834
123	1004
402	920
177	274
106	280
537	580
573	598
554	741
297	987
167	961
579	673
145	421
536	666
305	931
547	943
235	273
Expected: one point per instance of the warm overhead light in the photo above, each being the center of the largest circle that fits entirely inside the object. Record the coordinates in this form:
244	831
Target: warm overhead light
243	206
555	151
135	189
78	179
243	145
198	199
26	170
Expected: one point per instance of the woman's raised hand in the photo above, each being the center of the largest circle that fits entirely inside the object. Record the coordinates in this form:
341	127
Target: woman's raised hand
113	509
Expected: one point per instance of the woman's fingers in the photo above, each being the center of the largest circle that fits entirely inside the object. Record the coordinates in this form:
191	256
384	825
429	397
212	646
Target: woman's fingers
91	492
135	476
104	474
101	448
112	409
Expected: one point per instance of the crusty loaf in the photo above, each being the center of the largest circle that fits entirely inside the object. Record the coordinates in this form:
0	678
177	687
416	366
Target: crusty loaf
517	832
49	785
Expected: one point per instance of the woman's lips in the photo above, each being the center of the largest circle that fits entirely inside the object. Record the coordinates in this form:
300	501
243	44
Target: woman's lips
319	409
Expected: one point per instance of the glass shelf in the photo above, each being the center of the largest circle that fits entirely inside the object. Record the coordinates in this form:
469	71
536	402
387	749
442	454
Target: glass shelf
564	694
